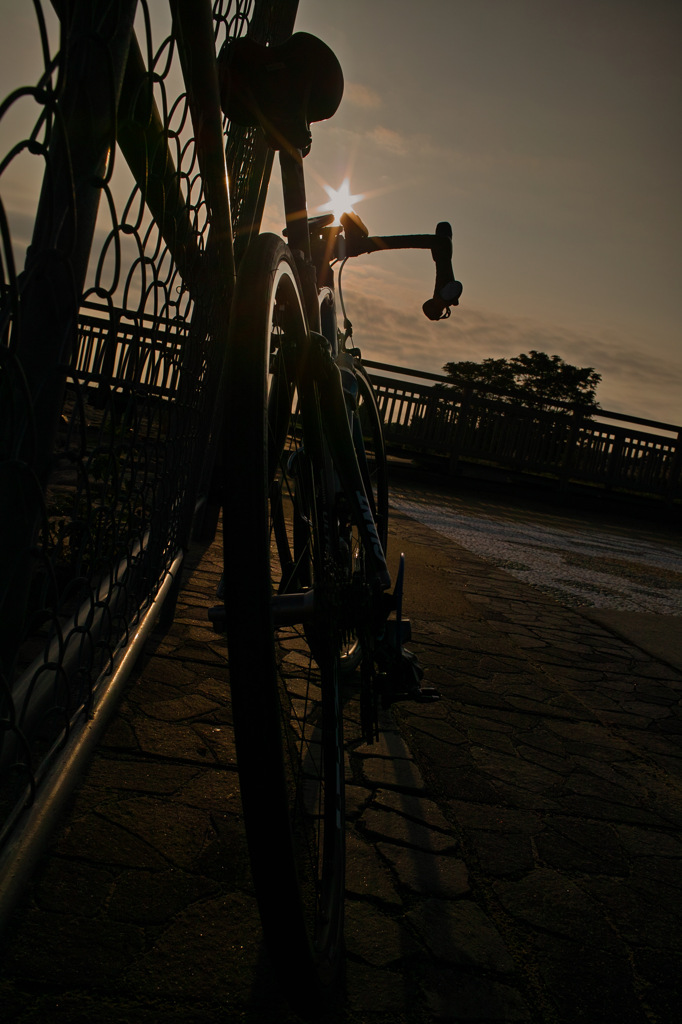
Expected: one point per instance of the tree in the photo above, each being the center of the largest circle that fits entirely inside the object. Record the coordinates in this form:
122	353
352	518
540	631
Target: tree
532	379
495	374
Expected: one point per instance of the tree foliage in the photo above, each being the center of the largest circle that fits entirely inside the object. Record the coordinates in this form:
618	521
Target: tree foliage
531	378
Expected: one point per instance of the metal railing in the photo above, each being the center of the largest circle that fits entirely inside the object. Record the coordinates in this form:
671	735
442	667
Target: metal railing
601	449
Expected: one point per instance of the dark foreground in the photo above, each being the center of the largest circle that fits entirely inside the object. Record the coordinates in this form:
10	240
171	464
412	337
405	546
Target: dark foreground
514	850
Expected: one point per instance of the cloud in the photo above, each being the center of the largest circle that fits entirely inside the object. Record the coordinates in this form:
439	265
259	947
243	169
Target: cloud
361	96
390	327
386	138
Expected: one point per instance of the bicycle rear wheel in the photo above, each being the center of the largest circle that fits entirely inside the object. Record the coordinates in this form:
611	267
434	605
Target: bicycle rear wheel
283	663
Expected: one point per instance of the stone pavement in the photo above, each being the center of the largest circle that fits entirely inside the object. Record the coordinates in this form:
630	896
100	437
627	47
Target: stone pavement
514	850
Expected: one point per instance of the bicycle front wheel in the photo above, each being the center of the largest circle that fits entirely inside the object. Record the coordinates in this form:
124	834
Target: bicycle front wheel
368	440
279	554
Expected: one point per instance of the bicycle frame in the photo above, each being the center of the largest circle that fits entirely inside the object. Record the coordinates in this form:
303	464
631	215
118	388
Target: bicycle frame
324	354
321	358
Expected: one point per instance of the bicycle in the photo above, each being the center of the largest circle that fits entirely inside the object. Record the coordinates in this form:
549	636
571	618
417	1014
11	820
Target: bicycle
307	591
329	536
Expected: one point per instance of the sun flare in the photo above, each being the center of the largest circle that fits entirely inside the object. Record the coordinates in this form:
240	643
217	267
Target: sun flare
340	200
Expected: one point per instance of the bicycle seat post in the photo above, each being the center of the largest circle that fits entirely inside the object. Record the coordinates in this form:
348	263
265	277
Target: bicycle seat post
298	233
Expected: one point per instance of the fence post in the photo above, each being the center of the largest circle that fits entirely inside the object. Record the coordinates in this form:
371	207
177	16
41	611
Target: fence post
675	479
568	462
108	364
460	426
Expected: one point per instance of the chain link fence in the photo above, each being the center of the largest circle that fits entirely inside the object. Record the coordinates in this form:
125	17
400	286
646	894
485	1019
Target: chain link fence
111	350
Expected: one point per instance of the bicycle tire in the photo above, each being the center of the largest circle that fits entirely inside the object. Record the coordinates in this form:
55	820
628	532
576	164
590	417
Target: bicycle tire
284	679
375	453
368	438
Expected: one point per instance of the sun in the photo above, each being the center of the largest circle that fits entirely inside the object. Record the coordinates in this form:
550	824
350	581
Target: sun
340	200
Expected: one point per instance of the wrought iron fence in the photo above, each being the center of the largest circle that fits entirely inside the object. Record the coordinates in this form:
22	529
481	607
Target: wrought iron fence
110	352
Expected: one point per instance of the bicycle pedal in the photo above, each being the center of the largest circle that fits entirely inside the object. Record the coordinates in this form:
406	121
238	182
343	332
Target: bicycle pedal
425	694
397	632
401	679
217	618
419	694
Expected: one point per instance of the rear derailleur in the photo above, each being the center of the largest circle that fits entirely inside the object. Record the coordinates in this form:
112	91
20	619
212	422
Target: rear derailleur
393	673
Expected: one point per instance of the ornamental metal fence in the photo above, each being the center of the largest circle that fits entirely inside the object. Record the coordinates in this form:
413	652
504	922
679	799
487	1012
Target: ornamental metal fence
112	322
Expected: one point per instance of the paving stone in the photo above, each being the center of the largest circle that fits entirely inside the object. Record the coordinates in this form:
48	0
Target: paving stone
164	670
550	901
140	776
82	889
375	937
146	897
515	769
586	846
455	996
120	736
552	762
469	784
105	842
183	741
392	772
370	988
502	853
357	798
227	942
366	873
587	734
640	842
177	833
397	828
64	950
658	876
501	819
181	709
460	933
491	738
639	917
429	874
219	740
425	811
213	788
588	981
660	972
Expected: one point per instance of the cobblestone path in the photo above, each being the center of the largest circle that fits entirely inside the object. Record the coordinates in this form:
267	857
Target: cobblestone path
514	850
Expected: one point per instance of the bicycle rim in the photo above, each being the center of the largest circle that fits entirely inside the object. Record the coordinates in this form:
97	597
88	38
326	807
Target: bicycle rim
283	674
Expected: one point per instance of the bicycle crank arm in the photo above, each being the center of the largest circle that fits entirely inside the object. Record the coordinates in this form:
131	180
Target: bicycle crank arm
400	674
293	609
287	610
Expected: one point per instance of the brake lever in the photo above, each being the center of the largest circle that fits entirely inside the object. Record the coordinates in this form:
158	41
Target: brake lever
447	290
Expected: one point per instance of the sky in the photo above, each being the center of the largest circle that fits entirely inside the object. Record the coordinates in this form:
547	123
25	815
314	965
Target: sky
546	131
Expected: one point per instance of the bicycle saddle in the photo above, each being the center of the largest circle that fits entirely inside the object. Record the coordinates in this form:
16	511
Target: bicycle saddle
281	88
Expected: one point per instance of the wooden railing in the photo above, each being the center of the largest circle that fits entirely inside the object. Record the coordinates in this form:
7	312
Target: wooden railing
468	426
